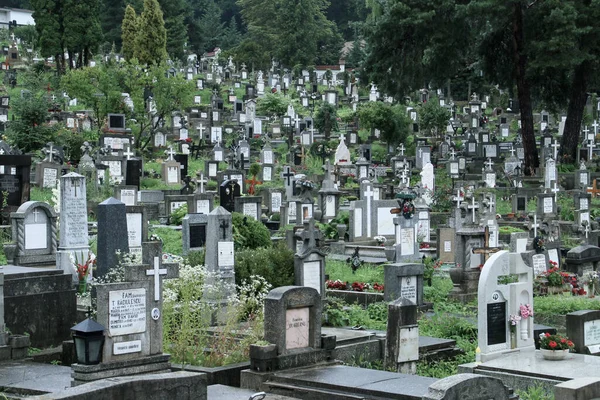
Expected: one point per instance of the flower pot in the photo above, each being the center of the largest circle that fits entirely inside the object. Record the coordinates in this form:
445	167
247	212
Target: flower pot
265	352
554	355
513	340
390	253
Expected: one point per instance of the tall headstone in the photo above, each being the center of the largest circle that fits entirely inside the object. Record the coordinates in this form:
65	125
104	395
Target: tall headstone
402	338
74	240
112	234
34	227
309	261
219	257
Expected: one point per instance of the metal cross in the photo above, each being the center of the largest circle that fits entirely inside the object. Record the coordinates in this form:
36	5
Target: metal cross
224	225
486	250
473	207
156	272
288	174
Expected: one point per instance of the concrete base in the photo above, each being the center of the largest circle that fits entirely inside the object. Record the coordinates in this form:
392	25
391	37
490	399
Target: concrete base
151	364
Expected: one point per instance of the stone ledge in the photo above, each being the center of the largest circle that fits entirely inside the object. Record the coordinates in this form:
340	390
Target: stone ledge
150	364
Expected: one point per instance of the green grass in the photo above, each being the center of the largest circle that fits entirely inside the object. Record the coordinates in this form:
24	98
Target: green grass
366	273
562	304
171	239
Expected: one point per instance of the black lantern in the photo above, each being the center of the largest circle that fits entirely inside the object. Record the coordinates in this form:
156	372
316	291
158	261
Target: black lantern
88	337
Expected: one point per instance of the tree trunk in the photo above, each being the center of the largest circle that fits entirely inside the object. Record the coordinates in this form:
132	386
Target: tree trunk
577	100
524	92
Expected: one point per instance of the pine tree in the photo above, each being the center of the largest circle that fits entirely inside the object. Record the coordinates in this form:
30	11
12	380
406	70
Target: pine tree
129	29
82	31
151	41
174	12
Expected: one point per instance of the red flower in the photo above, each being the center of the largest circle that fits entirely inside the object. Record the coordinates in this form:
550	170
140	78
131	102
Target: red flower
547	334
552	344
570	344
563	340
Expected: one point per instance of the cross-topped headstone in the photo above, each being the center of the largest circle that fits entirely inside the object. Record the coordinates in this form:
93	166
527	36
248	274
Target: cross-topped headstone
156	273
473	207
555	146
459	197
128	153
535	225
201	181
170	154
486	250
288	181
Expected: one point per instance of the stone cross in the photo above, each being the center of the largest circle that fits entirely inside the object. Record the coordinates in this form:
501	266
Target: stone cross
170	154
368	193
590	147
512	151
156	272
555	145
310	235
535	225
491	203
595	126
473	207
587	230
128	153
452	154
458	198
287	176
555	190
489	163
402	149
202	181
486	250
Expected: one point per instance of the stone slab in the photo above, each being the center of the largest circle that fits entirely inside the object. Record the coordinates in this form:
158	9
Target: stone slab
222	392
34	377
359	381
532	364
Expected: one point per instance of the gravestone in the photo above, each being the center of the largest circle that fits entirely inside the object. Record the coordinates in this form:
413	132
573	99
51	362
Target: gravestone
4	349
126	194
402	337
404	280
131	312
293	319
583	328
74	241
497	302
582	259
468	387
309	261
112	234
193	228
445	245
34	229
249	206
228	192
48	170
137	229
14	177
219	257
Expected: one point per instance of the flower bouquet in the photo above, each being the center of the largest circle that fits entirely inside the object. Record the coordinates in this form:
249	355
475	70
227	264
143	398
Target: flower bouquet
83	269
555	347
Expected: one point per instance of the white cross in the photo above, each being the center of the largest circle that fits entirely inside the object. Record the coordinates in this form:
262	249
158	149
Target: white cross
586	131
590	147
128	153
368	196
35	214
555	190
202	182
473	207
595	125
512	151
170	153
491	203
458	198
489	163
421	153
156	272
296	121
2	151
587	230
401	148
452	153
555	145
535	225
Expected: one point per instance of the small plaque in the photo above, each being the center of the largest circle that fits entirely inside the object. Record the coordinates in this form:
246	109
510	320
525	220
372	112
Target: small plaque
548	205
155	313
539	264
134	346
172	174
583	204
408	288
225	254
312	275
250	209
297	328
591	333
36	236
408	344
49	179
448	246
128	197
496	323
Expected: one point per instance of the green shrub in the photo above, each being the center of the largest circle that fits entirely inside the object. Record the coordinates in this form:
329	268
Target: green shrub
195	258
249	233
275	264
178	214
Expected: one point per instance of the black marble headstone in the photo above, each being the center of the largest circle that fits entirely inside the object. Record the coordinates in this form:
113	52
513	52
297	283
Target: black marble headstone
133	173
228	191
197	235
496	323
182	159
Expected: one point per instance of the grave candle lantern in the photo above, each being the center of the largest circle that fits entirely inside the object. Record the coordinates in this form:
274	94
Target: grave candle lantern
88	337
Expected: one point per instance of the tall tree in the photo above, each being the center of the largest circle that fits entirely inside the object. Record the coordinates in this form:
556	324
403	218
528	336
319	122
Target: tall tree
82	31
290	30
49	24
174	13
151	41
129	30
112	13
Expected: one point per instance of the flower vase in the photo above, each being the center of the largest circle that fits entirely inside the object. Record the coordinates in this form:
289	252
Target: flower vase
554	355
82	286
513	340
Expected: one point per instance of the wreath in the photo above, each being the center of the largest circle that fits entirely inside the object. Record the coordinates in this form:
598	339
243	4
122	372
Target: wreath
538	244
408	209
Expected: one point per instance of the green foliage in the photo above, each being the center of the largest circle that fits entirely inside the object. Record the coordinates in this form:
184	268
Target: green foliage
339	313
174	12
275	264
433	118
340	270
535	392
271	104
254	169
392	121
438	292
326	119
29	132
249	233
171	239
129	29
177	215
563	304
151	41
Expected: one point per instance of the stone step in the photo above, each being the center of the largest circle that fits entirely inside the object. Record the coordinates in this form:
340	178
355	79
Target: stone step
308	393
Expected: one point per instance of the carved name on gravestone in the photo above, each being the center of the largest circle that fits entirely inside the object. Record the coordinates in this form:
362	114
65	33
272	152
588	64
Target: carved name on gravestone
127	311
296	328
